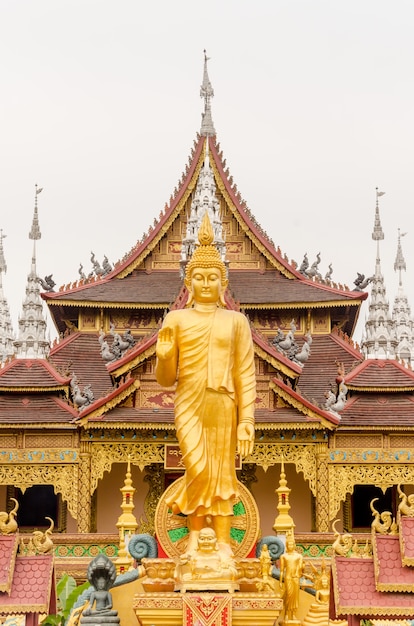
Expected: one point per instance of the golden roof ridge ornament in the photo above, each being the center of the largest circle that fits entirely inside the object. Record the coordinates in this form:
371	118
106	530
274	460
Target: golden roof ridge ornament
8	523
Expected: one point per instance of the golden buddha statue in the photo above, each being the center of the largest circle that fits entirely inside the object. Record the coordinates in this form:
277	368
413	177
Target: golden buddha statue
291	571
318	614
207	350
267	583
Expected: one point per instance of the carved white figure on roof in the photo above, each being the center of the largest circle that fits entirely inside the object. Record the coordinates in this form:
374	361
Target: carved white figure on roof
313	270
47	282
81	272
304	265
81	399
361	282
107	267
303	354
106	352
96	266
328	275
120	344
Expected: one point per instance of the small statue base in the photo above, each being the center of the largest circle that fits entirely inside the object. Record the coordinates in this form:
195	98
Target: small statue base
207	586
101	619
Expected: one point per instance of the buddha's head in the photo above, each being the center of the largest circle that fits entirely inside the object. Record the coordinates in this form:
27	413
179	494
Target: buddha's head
207	540
205	274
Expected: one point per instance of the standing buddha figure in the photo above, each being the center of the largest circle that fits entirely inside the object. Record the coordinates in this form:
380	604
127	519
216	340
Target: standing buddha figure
208	351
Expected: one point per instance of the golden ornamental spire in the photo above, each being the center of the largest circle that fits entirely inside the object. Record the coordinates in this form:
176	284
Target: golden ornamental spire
127	523
284	523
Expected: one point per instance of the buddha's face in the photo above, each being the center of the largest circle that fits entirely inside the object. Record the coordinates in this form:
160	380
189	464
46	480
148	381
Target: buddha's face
206	284
101	583
290	545
207	540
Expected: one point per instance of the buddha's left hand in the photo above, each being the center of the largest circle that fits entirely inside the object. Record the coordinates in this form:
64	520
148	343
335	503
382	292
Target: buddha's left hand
245	439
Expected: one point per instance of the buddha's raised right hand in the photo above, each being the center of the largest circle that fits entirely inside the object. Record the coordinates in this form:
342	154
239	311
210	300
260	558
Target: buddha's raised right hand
165	343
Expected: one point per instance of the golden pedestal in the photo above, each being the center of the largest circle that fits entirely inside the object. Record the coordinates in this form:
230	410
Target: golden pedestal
168	609
234	600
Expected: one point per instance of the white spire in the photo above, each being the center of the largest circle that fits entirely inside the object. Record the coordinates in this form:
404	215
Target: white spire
32	342
380	339
6	330
401	312
204	200
206	92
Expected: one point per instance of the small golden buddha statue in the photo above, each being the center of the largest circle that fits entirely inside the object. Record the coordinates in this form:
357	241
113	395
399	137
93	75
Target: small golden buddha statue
207	568
291	571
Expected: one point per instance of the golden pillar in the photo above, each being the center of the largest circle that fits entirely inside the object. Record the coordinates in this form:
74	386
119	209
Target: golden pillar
322	488
84	517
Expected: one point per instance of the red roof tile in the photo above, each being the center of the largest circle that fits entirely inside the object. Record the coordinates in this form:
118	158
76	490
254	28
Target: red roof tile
378	409
140	287
384	374
407	539
161	287
271	287
392	575
320	370
31	374
8	551
32	586
80	353
32	409
355	592
131	417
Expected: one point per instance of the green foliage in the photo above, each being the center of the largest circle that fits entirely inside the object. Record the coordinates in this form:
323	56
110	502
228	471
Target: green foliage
67	593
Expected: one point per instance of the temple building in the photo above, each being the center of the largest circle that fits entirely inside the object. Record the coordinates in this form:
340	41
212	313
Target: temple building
74	414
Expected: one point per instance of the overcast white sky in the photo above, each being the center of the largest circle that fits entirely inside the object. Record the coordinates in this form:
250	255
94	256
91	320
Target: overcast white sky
313	107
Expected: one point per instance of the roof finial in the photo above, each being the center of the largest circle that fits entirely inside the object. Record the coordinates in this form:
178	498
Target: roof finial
399	264
31	341
380	340
3	265
35	230
206	92
377	233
